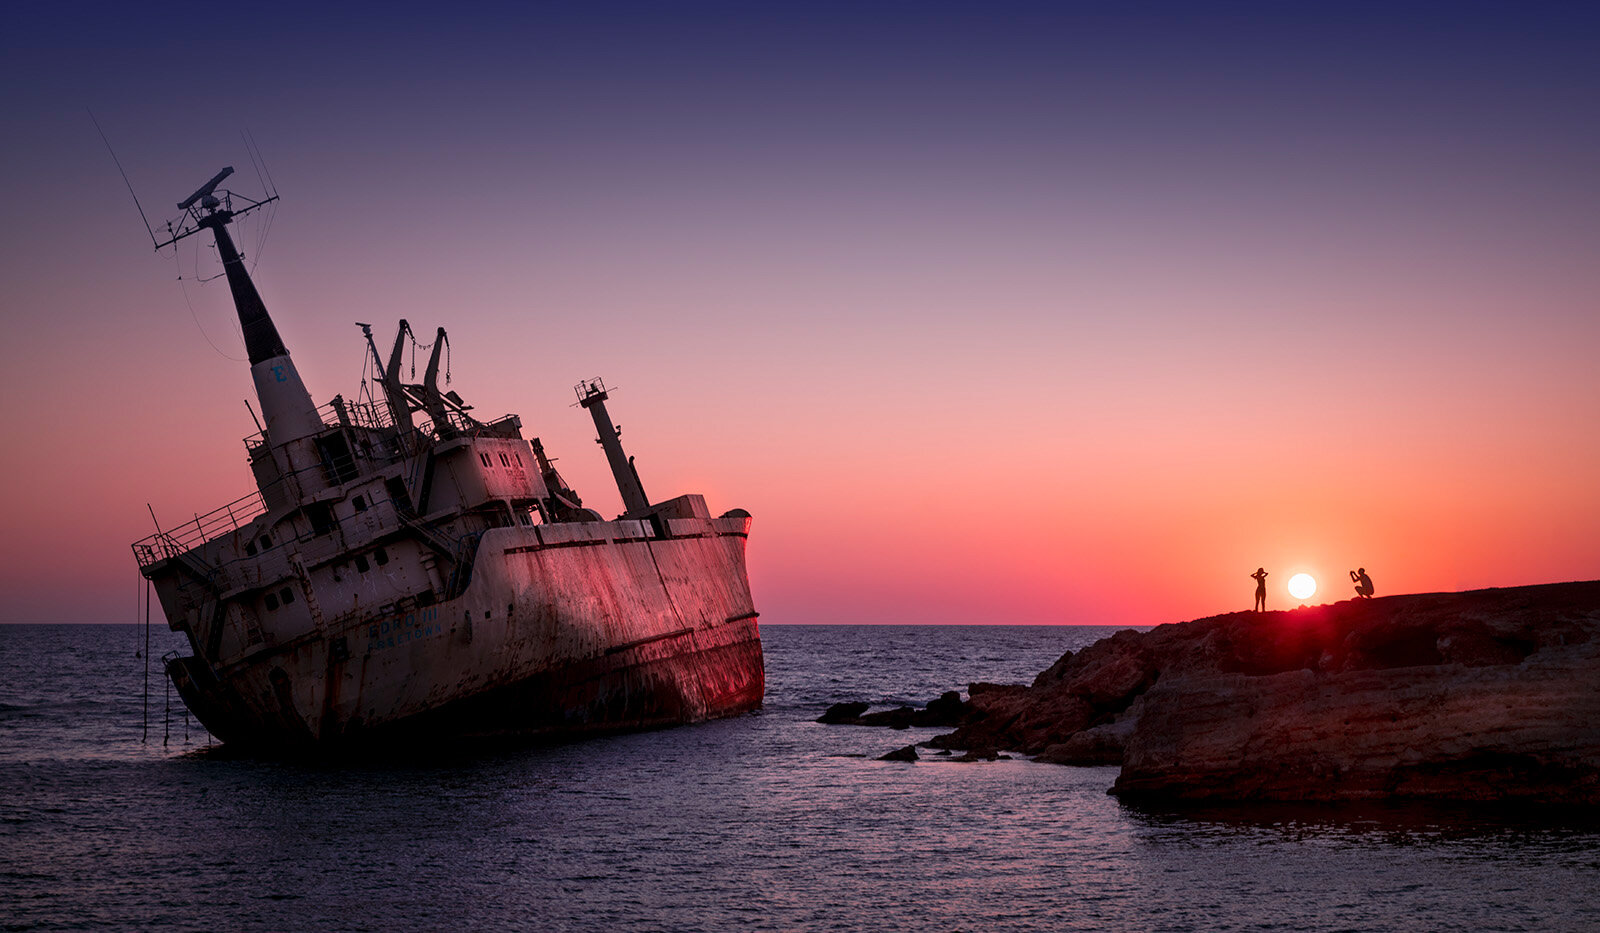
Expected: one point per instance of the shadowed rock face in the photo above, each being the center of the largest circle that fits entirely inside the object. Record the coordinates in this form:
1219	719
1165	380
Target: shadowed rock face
1486	695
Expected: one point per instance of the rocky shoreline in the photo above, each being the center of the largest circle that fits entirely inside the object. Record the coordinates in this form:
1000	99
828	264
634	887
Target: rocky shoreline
1483	695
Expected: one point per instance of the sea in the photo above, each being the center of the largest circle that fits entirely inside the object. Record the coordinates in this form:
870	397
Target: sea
117	812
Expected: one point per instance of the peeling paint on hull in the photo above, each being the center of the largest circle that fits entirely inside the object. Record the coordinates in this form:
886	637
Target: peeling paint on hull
598	635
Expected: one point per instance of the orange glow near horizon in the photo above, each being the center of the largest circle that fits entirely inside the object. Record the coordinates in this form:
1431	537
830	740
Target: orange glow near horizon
971	344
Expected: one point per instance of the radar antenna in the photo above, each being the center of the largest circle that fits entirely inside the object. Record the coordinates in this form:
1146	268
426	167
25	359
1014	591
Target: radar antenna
204	191
210	206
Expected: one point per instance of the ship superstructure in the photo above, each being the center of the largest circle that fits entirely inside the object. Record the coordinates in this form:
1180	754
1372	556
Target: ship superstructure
404	568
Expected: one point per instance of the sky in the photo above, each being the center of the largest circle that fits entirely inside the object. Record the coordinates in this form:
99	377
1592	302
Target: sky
987	312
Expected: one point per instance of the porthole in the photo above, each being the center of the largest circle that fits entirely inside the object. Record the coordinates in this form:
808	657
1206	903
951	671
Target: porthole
287	595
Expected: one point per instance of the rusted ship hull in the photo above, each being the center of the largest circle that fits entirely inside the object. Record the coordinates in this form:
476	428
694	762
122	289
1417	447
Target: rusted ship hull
565	630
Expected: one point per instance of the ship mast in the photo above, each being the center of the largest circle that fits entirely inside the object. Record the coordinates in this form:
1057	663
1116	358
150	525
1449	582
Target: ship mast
592	395
286	406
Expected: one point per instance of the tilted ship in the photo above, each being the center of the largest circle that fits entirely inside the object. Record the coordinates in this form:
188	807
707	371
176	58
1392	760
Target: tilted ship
405	570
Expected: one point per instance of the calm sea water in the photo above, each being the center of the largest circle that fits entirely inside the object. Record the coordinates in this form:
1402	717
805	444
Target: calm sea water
766	822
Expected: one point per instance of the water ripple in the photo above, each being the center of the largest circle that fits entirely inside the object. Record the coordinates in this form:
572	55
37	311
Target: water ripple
764	822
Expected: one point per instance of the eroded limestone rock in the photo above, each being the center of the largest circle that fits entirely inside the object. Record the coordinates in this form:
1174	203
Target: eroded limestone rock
1491	694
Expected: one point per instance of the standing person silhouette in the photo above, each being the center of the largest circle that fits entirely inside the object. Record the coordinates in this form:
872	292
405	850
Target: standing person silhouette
1363	583
1260	576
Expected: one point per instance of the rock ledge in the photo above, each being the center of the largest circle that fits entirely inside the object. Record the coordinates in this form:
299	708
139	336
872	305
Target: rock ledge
1483	695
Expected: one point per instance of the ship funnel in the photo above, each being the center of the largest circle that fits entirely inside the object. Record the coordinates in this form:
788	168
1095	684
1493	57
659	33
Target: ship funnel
592	395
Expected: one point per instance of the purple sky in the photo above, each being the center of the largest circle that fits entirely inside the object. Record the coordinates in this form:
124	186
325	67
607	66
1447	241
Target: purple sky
987	312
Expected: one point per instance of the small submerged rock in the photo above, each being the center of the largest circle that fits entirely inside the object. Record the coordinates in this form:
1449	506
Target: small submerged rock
908	753
945	711
899	718
843	713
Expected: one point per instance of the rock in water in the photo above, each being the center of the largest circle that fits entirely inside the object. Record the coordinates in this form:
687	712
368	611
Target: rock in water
947	710
944	712
901	717
909	753
843	713
1485	695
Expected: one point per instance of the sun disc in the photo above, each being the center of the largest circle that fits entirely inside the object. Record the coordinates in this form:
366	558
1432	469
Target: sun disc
1301	586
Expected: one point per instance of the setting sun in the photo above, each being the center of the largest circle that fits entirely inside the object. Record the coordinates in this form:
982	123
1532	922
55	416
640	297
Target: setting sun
1302	585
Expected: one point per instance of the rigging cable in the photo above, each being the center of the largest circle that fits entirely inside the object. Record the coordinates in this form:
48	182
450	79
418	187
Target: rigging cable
268	186
417	345
192	313
146	736
263	226
202	279
147	587
124	174
253	163
266	228
264	168
365	393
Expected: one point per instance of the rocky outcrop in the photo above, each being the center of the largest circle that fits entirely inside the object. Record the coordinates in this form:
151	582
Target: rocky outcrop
1525	731
1485	695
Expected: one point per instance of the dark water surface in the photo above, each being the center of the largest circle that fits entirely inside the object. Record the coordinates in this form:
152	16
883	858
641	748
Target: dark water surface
766	822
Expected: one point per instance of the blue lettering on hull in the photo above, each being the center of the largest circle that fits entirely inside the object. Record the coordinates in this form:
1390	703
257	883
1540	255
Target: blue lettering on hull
401	629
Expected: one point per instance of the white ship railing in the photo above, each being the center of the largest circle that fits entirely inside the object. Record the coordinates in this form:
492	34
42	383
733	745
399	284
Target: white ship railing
172	542
360	414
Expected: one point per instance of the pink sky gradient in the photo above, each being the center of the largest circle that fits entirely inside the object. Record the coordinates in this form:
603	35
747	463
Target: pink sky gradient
979	331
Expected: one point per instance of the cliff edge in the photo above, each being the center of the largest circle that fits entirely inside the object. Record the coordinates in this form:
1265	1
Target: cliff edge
1484	695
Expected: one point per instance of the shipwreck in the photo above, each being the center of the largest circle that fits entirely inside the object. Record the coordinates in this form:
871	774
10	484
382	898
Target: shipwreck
404	570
